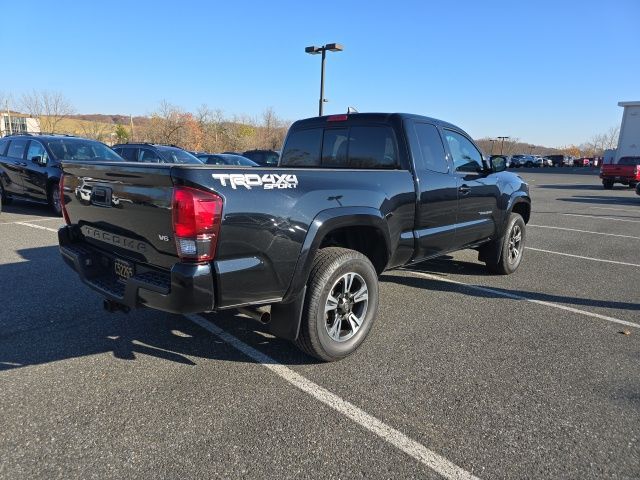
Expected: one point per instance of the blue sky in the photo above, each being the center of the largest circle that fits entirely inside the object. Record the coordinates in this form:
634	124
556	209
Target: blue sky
548	72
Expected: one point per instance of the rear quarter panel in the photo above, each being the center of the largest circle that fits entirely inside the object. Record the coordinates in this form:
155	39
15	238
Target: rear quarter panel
263	230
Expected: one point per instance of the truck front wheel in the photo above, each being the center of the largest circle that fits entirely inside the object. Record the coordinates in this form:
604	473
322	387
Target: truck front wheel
607	184
503	255
340	305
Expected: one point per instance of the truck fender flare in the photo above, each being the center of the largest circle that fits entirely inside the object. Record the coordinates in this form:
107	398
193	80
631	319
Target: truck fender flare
515	199
286	316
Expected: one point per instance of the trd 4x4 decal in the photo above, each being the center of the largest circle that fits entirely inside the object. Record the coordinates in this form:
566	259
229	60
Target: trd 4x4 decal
268	181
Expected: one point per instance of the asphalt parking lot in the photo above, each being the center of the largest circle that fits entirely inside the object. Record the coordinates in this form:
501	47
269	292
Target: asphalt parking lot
534	375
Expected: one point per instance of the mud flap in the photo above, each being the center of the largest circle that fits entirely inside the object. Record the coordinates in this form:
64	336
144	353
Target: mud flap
286	317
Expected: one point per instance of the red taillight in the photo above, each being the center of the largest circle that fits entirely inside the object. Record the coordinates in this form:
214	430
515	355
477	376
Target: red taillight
63	207
337	118
196	223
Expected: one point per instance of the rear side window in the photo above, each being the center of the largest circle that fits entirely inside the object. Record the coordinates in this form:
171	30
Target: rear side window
302	149
149	156
3	146
16	148
128	153
431	154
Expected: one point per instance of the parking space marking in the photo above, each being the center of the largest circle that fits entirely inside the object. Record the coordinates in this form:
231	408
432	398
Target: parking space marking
618	209
31	220
526	299
582	231
584	258
389	434
26	224
599	218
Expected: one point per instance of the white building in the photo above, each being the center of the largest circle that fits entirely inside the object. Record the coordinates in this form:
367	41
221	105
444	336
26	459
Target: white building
629	139
12	122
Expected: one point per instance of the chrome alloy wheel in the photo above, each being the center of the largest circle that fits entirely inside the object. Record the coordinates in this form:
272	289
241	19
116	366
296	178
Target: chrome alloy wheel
346	307
515	243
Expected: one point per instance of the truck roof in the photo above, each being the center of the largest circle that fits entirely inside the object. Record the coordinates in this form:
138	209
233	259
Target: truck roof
371	117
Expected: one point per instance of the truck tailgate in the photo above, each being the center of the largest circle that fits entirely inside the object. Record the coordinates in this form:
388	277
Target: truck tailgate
123	208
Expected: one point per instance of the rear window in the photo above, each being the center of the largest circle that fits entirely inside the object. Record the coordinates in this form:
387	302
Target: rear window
303	148
629	161
370	147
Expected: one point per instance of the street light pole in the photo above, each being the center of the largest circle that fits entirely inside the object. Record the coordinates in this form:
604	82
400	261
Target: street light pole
502	144
321	103
492	143
313	50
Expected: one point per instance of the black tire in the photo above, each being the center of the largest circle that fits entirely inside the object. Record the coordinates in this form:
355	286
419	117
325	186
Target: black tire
498	254
633	184
638	189
607	184
330	266
54	199
3	195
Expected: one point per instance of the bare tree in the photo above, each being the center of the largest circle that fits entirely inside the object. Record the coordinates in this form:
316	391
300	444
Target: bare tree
611	137
97	131
49	107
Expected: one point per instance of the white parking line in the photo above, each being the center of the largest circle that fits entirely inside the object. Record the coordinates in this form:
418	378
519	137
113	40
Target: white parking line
526	299
619	209
583	231
599	218
31	220
389	434
584	258
40	227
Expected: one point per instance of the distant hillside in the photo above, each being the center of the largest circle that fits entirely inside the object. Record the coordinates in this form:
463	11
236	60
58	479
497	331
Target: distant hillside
117	119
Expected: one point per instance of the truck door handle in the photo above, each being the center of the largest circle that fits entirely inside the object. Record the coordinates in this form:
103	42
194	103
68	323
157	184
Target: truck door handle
464	189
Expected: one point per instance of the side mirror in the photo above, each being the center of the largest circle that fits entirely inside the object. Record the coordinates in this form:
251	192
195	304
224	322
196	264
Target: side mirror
39	159
498	164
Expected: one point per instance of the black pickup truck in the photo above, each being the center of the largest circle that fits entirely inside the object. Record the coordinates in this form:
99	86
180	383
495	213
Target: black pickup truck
299	245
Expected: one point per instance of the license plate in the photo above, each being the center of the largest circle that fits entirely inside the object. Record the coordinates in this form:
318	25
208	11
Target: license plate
124	270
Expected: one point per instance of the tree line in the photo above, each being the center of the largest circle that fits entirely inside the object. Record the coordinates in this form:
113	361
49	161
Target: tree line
209	129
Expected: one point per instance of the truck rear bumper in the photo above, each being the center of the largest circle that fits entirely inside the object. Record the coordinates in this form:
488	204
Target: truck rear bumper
186	288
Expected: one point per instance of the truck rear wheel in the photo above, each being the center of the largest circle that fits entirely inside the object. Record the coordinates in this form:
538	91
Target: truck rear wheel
503	255
607	184
340	305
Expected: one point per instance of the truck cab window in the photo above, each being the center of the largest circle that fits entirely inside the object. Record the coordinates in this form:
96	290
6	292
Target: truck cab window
466	157
334	147
302	149
431	154
372	147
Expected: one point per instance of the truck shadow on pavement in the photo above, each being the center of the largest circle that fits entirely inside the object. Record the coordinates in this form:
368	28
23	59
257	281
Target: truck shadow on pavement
448	266
51	316
18	207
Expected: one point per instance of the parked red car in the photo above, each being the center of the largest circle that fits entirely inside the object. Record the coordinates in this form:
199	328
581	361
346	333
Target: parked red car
626	171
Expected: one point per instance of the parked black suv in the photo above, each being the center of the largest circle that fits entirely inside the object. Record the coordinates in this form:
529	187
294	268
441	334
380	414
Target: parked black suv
264	158
154	153
30	164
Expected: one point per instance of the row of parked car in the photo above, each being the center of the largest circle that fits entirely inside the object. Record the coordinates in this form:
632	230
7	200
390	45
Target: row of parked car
30	163
539	161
